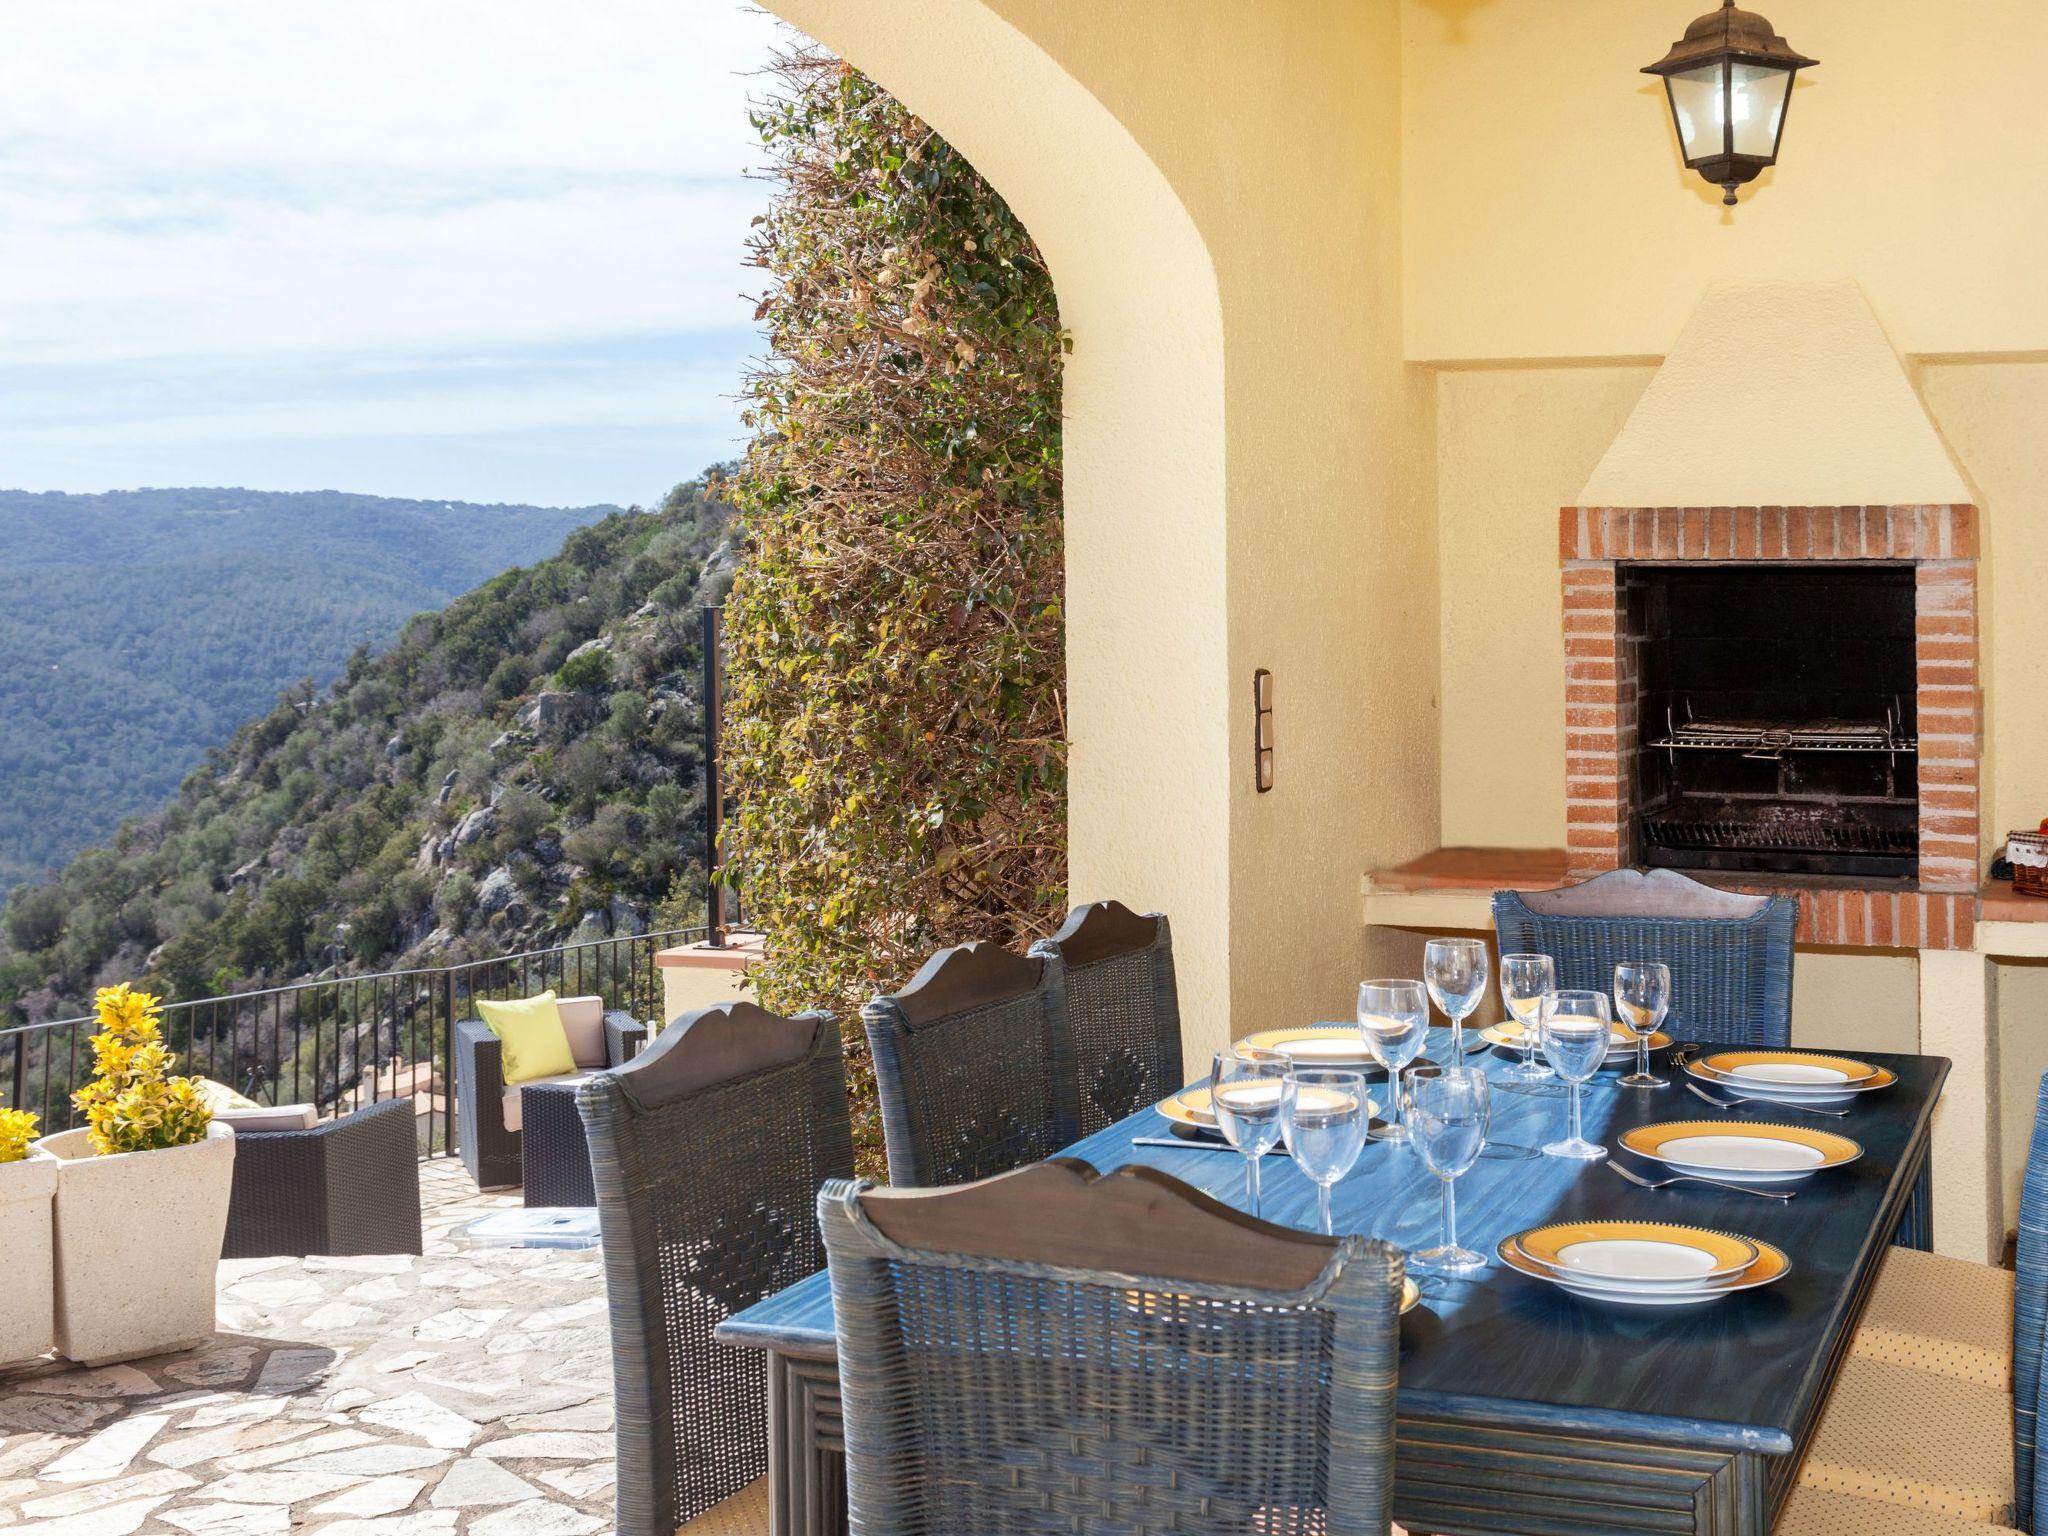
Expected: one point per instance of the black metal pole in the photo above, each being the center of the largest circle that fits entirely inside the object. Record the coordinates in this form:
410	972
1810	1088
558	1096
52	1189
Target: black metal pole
714	799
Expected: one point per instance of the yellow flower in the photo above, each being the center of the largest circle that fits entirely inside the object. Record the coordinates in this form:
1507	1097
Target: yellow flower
17	1130
133	1105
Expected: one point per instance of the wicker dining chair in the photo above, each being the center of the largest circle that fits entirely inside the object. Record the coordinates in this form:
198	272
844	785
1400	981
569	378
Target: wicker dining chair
1123	1009
1053	1350
1933	1418
707	1151
974	1066
1730	955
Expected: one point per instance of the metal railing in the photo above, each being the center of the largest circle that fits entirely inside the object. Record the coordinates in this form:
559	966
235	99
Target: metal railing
344	1041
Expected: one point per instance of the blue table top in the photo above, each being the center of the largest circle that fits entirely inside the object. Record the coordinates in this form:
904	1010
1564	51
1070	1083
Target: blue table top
1747	1373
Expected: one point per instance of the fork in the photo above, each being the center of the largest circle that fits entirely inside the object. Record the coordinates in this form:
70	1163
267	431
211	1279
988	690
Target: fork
1692	1178
1811	1109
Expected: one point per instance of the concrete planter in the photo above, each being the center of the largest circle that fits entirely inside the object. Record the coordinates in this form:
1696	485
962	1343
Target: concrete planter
27	1278
138	1238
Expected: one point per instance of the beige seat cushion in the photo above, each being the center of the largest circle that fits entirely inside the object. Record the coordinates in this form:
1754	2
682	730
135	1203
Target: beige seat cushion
269	1117
1809	1512
514	1115
744	1514
583	1023
1944	1315
1900	1436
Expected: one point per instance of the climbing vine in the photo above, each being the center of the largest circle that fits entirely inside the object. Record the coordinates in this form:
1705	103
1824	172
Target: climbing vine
895	722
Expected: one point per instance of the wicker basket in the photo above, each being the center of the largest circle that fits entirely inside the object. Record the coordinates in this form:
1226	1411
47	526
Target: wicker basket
2028	853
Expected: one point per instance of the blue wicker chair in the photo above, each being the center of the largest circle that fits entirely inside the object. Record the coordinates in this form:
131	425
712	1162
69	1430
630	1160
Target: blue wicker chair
1050	1350
1934	1419
707	1152
974	1066
1730	955
1122	1008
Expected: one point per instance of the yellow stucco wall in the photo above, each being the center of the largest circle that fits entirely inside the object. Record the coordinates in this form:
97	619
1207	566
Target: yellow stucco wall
1909	162
1273	131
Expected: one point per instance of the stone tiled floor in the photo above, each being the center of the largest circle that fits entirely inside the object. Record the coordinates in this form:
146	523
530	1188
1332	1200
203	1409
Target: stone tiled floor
465	1391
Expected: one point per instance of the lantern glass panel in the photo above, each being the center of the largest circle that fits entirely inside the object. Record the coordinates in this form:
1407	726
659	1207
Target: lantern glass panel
1757	94
1697	108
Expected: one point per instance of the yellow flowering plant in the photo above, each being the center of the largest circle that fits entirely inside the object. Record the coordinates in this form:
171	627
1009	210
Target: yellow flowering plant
133	1104
17	1130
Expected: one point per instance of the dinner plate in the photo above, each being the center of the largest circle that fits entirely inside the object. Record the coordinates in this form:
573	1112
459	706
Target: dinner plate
1771	1264
1191	1106
1787	1093
1508	1035
1318	1045
1636	1253
1759	1153
1790	1069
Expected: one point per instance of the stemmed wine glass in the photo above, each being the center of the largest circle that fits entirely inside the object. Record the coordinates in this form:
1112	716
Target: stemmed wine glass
1245	1087
1393	1019
1525	980
1642	996
1456	972
1576	1030
1447	1114
1324	1115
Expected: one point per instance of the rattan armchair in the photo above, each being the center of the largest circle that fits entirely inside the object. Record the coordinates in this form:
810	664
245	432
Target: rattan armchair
707	1152
348	1186
1050	1350
1730	955
1123	1009
974	1066
490	1151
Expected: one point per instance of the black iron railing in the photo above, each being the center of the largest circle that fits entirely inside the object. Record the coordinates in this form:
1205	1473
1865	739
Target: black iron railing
345	1041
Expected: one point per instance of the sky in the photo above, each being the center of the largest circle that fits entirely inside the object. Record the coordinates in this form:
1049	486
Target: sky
432	248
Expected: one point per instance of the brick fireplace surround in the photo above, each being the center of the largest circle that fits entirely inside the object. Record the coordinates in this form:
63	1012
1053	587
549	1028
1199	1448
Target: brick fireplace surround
1940	542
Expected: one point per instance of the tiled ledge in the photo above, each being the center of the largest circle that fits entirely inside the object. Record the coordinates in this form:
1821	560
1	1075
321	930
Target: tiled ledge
1452	888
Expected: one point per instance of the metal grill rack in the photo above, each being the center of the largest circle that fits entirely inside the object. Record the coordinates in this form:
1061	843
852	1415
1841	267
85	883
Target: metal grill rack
1771	739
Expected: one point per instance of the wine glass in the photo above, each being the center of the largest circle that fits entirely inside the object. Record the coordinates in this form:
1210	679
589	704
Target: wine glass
1456	972
1447	1115
1524	982
1244	1090
1576	1030
1325	1115
1642	996
1393	1019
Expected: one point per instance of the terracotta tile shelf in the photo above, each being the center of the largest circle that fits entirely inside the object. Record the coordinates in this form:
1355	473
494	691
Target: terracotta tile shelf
1451	887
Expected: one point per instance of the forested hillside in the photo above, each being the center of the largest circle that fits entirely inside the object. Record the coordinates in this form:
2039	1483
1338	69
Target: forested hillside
139	628
523	764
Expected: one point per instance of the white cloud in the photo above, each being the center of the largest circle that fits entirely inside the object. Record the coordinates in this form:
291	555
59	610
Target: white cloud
312	193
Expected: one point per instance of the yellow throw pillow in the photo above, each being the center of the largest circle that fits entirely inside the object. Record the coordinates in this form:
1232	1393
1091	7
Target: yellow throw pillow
535	1043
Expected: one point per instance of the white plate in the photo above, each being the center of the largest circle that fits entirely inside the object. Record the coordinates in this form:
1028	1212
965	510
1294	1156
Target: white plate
1633	1261
1747	1157
1327	1050
1786	1074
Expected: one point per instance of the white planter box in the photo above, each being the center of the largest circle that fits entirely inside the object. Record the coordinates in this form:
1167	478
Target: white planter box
138	1240
27	1267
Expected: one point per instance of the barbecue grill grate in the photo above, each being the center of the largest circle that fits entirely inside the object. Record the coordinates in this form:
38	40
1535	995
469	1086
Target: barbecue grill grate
1779	832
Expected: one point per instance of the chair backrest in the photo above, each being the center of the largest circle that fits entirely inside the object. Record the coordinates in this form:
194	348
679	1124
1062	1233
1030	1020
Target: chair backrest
2030	1325
974	1066
1049	1349
1730	955
1123	1008
707	1152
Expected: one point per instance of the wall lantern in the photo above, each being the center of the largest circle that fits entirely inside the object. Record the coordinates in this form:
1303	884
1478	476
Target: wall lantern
1730	80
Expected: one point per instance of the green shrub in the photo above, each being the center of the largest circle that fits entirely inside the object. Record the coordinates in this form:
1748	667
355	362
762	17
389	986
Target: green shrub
895	728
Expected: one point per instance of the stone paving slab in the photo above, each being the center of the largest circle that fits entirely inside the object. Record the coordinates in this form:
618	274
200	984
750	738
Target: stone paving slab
466	1392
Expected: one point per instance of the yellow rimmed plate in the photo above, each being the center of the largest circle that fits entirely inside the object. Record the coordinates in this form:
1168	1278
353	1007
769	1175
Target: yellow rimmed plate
1510	1034
1771	1264
1636	1253
1315	1046
1410	1296
1809	1070
1790	1093
1191	1105
1755	1153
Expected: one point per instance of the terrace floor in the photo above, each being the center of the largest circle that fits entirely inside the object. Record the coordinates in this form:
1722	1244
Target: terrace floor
465	1391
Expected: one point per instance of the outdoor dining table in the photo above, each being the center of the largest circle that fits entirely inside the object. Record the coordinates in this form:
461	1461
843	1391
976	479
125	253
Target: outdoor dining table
1523	1408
